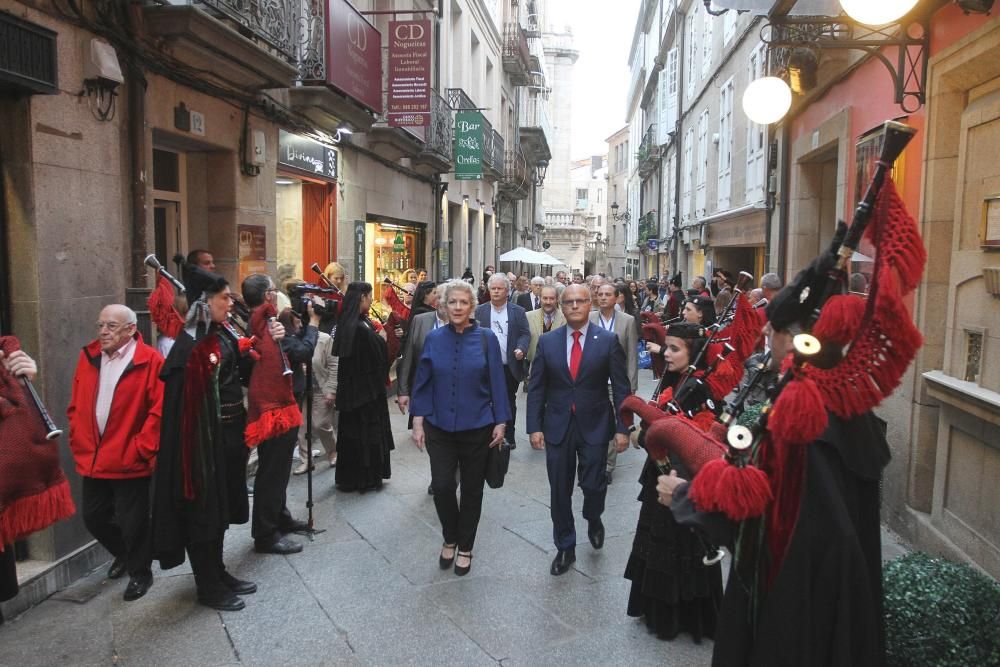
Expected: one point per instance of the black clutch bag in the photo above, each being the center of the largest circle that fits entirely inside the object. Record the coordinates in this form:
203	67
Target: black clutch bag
497	462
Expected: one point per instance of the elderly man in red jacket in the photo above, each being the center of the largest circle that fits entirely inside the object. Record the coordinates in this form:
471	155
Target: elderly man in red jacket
114	421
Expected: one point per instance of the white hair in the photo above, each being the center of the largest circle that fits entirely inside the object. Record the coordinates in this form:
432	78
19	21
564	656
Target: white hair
538	280
130	316
498	278
460	285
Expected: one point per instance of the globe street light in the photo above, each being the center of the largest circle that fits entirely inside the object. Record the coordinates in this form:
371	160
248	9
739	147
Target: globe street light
767	100
880	12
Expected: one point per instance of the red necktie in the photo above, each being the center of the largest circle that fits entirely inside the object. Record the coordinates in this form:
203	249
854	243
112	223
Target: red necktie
575	353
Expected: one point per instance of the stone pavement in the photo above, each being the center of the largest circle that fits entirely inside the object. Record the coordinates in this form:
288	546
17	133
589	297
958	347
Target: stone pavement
368	591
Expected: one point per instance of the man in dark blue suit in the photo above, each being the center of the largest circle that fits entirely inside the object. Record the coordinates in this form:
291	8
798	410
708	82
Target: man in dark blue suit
509	323
570	417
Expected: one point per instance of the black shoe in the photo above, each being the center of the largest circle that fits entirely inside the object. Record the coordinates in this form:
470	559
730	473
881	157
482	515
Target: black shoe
462	571
138	586
595	531
282	547
609	477
237	586
562	561
221	600
445	563
117	569
430	489
294	526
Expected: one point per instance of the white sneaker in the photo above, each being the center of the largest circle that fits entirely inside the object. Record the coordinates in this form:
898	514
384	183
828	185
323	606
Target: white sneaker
301	469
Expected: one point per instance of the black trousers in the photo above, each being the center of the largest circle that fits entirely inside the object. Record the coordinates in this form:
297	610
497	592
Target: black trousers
274	465
467	451
207	567
512	386
116	512
235	451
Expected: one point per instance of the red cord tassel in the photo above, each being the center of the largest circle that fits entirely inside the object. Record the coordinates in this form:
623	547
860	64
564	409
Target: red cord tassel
739	492
799	414
840	319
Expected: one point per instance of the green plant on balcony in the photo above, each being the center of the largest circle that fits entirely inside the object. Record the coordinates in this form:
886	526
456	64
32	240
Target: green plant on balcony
642	154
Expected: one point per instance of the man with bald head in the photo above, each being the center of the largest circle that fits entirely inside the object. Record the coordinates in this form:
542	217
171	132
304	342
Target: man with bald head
570	416
114	434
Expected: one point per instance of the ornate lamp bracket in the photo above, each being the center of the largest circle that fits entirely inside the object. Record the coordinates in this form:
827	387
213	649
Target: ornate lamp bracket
910	36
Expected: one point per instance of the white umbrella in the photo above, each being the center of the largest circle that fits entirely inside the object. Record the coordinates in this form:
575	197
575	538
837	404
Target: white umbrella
520	255
550	260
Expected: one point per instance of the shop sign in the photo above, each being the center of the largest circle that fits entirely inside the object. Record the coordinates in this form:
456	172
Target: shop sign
359	249
306	156
252	249
468	146
409	73
653	244
354	55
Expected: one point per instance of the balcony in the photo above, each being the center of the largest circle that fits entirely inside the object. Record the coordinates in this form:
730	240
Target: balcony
493	153
430	147
534	131
648	155
516	54
648	229
244	44
459	100
516	181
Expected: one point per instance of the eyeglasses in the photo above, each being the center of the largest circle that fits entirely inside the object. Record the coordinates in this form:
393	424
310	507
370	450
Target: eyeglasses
499	327
113	326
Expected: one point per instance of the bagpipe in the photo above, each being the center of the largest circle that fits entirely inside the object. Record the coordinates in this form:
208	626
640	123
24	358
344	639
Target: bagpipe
850	355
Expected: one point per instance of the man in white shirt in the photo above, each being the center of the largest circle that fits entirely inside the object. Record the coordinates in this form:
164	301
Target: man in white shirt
532	300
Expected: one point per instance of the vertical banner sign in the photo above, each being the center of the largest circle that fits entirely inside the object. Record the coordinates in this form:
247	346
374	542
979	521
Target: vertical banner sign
354	54
252	250
468	146
409	73
359	249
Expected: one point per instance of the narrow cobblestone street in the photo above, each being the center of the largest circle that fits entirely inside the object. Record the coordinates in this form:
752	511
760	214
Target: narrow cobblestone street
368	591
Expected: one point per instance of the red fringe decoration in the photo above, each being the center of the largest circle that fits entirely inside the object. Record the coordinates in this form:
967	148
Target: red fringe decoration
399	309
840	319
649	317
246	347
199	374
272	423
799	414
655	332
785	465
727	375
162	311
33	513
739	492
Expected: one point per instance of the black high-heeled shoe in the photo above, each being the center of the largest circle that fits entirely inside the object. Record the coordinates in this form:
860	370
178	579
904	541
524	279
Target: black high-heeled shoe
443	562
462	571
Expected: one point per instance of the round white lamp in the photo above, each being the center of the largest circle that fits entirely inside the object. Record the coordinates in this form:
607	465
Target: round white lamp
877	12
767	100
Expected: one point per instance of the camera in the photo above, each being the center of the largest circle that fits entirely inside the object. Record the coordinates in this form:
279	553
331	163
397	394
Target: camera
300	294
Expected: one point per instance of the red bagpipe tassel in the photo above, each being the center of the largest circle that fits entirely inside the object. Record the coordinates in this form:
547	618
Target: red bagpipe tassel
247	347
840	319
799	414
399	309
738	491
162	311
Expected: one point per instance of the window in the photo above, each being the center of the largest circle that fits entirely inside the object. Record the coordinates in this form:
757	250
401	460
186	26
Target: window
706	42
692	52
687	166
670	74
756	161
581	197
725	143
701	185
729	26
667	218
973	355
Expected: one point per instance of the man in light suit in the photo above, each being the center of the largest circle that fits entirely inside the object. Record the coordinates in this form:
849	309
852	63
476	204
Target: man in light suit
508	322
570	417
622	325
532	299
545	319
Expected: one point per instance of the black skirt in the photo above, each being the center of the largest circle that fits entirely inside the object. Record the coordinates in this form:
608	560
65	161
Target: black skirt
364	440
8	574
671	588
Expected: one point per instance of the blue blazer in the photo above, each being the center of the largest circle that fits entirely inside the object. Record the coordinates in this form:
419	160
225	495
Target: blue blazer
518	336
552	392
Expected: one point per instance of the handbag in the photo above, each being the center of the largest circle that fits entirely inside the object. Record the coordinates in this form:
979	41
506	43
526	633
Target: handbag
497	458
644	360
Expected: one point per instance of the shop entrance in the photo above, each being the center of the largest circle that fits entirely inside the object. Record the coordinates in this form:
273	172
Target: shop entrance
305	229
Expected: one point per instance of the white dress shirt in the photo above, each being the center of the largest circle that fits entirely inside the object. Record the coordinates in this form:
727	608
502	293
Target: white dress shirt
112	367
499	323
569	341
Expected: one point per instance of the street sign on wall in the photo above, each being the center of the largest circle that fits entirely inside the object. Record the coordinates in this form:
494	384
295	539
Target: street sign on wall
409	73
360	250
468	146
307	156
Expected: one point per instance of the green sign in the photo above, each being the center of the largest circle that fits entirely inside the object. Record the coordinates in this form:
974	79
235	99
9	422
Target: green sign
468	146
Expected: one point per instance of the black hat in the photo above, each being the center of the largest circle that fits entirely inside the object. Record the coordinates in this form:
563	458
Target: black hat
677	280
686	330
198	281
795	304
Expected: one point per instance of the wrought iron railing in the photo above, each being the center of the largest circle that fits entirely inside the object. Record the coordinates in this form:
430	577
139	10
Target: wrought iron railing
312	41
533	115
498	150
515	169
274	22
516	53
440	134
648	152
489	159
459	100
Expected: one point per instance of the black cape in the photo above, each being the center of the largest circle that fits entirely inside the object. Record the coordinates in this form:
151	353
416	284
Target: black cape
177	522
825	604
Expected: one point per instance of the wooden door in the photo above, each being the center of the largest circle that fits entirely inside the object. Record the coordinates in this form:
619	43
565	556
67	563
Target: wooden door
318	229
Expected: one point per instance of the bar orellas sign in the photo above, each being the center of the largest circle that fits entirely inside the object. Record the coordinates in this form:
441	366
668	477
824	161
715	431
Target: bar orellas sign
354	55
409	73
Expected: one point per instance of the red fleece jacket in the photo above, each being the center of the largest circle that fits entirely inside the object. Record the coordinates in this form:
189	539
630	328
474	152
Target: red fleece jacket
132	436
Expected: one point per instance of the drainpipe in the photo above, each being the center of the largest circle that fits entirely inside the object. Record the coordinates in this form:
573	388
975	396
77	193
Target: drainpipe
679	143
785	176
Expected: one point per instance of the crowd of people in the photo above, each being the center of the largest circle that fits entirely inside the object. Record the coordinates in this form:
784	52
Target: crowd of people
164	443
